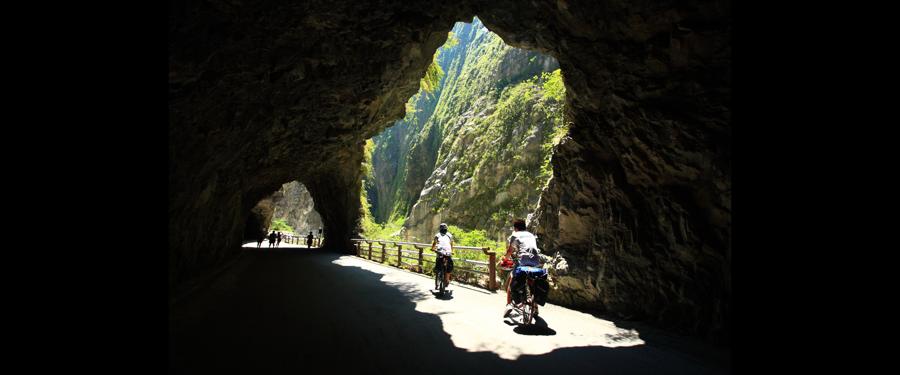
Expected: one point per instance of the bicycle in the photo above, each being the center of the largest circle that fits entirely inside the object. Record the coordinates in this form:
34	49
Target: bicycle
528	308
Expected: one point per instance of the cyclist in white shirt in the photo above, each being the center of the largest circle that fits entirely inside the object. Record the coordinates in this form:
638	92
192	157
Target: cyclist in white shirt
443	245
522	248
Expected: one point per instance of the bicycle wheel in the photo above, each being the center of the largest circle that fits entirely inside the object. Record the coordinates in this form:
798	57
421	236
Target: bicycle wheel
528	307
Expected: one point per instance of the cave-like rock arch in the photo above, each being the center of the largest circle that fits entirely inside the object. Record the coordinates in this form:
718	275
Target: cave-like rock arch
263	93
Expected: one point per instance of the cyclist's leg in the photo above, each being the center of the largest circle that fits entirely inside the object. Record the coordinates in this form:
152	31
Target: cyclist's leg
449	271
508	283
509	307
437	274
438	271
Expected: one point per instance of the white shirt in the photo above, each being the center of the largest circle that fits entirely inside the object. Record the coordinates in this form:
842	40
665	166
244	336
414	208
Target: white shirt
443	243
523	242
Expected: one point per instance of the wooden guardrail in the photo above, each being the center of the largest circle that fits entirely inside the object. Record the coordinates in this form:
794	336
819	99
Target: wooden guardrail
416	259
301	241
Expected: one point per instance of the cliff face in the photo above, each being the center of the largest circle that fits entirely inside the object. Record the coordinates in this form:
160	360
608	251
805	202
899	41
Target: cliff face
487	138
457	128
405	153
265	93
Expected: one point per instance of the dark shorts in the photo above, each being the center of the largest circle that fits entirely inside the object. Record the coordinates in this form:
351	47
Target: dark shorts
449	263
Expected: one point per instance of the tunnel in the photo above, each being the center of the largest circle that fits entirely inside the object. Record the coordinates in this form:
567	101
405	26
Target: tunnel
265	93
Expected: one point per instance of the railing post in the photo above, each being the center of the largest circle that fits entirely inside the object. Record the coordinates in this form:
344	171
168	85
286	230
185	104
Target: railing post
492	269
383	251
358	249
399	256
370	250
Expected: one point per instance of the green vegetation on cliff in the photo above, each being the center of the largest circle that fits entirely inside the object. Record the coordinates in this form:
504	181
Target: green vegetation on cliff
476	143
281	225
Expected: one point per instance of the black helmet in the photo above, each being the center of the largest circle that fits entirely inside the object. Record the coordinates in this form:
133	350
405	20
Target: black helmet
442	228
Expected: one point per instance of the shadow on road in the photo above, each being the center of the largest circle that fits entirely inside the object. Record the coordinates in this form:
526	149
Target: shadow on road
285	312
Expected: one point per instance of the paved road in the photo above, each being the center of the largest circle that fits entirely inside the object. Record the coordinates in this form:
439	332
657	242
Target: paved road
291	310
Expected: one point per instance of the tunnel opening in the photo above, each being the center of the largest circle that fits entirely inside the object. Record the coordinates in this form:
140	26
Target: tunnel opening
290	210
474	147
